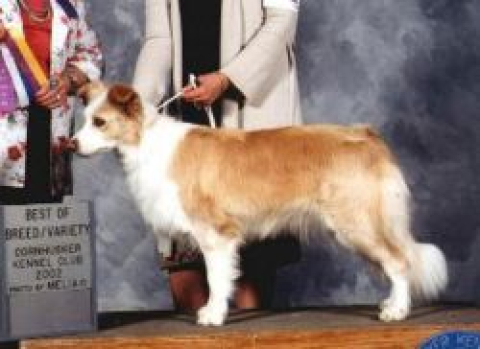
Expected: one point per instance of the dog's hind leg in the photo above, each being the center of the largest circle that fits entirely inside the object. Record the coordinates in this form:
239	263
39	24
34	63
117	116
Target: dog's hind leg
423	269
220	254
361	232
397	305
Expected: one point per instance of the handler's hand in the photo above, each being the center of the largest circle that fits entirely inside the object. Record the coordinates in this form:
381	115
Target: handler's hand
54	95
3	31
210	87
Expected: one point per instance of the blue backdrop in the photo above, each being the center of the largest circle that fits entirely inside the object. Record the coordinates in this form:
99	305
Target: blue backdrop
409	67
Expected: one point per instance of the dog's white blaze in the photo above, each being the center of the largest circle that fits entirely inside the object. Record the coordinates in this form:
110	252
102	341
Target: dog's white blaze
90	138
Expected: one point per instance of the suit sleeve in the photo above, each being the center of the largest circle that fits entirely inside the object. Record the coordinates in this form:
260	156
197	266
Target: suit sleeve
153	67
253	70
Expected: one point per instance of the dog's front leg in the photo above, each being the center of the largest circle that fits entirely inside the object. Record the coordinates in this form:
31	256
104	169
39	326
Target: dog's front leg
221	264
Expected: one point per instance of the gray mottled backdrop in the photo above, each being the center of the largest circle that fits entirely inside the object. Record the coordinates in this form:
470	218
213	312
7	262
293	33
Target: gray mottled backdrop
410	67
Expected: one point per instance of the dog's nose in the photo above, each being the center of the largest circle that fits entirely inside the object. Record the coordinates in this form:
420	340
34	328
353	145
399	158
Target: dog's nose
72	145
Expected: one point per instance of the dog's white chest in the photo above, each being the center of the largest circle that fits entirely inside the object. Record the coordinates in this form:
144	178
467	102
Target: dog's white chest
153	189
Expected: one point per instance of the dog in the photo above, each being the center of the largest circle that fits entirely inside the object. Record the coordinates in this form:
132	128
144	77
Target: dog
226	187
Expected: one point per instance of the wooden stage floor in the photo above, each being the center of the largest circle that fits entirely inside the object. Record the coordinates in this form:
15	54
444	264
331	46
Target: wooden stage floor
344	327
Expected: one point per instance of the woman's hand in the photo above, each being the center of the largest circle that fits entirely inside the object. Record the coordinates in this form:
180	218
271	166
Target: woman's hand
210	87
3	32
55	94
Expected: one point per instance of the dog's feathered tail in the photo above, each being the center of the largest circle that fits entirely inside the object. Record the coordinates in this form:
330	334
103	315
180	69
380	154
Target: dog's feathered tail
427	266
428	271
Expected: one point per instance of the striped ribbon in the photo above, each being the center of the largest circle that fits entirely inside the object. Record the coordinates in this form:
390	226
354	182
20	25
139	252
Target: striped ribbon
19	87
30	70
26	74
8	99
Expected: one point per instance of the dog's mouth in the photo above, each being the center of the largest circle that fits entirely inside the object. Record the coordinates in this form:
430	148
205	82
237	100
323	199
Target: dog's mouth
73	146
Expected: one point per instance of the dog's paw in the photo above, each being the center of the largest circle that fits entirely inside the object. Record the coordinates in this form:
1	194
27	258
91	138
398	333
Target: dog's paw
211	316
391	312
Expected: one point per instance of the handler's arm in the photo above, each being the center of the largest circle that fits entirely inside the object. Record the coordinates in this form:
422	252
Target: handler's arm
254	68
87	56
153	67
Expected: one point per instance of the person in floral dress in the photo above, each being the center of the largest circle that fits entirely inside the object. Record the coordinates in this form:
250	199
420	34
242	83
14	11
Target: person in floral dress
33	164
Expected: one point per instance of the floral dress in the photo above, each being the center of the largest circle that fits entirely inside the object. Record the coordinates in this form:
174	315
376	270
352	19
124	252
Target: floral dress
72	42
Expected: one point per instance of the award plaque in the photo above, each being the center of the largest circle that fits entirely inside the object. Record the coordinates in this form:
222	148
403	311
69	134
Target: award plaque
47	270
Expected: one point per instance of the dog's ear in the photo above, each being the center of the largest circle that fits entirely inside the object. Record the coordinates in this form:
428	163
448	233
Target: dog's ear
90	90
125	98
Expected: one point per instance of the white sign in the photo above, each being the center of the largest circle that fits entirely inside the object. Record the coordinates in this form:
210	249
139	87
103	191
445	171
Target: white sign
47	248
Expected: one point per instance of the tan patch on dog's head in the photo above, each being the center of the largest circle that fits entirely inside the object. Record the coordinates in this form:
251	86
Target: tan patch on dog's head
113	118
120	116
125	99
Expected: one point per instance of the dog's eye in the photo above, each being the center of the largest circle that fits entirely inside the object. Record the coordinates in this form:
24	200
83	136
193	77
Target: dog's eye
98	122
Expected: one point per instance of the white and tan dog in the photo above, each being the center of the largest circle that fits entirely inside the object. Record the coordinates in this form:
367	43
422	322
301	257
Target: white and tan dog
228	186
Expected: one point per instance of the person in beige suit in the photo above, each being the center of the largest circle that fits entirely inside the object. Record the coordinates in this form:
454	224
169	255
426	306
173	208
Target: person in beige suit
242	52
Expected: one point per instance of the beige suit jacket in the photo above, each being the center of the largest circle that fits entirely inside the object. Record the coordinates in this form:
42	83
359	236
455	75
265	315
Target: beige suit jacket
256	54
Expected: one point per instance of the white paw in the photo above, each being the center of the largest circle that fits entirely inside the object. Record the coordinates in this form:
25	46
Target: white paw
392	312
211	315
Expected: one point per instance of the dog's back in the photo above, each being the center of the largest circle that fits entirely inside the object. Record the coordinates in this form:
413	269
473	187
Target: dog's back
252	176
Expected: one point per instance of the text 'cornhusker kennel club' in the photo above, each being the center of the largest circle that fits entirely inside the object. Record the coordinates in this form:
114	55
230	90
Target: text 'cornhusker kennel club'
46	248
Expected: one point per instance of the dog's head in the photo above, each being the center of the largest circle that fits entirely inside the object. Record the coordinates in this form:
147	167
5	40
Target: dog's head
113	117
